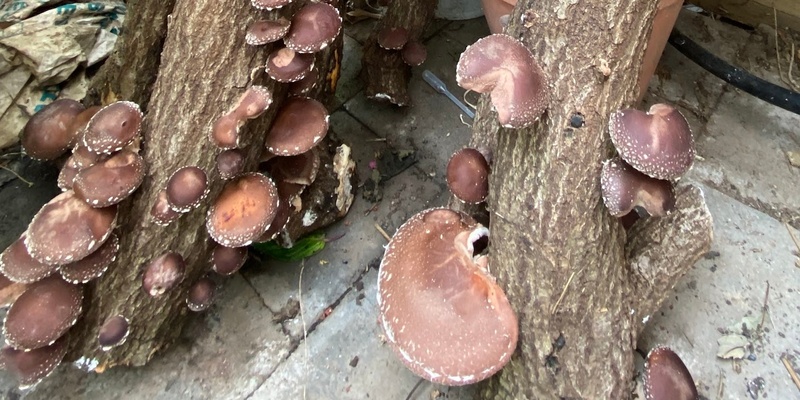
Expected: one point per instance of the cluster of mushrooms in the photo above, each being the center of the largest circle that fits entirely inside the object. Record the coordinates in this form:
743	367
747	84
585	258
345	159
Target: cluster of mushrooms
70	241
413	52
441	310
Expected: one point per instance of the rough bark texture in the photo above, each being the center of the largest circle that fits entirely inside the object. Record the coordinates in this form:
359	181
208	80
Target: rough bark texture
203	68
558	253
386	74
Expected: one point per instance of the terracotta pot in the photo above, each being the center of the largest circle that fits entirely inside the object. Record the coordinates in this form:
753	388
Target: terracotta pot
665	18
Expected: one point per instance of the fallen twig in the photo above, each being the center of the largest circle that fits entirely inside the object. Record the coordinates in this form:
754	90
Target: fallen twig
764	310
789	368
383	232
303	320
564	291
27	182
794	239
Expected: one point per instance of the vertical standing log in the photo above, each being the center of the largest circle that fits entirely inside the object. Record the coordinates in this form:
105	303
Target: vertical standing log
386	74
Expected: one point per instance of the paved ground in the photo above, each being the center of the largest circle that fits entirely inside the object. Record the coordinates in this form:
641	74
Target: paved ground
252	343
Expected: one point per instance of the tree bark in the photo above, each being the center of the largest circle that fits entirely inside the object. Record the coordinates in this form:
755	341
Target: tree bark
386	74
198	74
554	247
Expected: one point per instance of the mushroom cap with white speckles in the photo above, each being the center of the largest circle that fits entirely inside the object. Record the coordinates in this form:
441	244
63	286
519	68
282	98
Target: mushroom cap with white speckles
414	53
269	5
624	188
163	273
253	102
43	313
243	210
161	212
441	311
392	38
18	265
658	143
47	134
67	229
503	66
30	367
110	181
286	65
201	294
266	31
666	377
300	125
113	127
314	27
92	266
227	260
186	188
225	131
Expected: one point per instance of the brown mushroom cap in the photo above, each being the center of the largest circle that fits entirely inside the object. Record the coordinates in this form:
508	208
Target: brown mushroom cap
624	188
113	127
225	132
269	4
300	169
161	212
85	158
300	125
657	143
78	125
30	367
441	311
468	175
253	102
243	211
47	134
503	66
42	314
114	332
314	27
392	38
666	377
282	216
110	181
285	65
92	266
67	229
67	175
266	31
186	188
18	265
230	163
305	85
227	260
201	294
414	53
163	273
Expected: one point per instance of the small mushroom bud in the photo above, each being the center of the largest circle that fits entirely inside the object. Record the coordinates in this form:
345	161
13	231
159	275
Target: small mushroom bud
230	163
113	127
666	377
113	333
392	38
161	212
305	85
253	102
30	367
499	64
186	188
266	31
201	294
314	27
468	175
227	260
47	133
657	143
42	314
225	132
163	273
624	188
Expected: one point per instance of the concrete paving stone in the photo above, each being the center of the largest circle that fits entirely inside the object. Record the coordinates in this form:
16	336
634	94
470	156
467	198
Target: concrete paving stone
467	31
431	125
750	249
744	155
345	358
329	274
224	353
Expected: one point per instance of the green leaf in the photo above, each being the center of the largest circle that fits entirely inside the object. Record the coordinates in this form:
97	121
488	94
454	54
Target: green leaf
303	248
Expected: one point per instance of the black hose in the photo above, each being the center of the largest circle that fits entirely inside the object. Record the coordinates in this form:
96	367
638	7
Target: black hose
769	92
